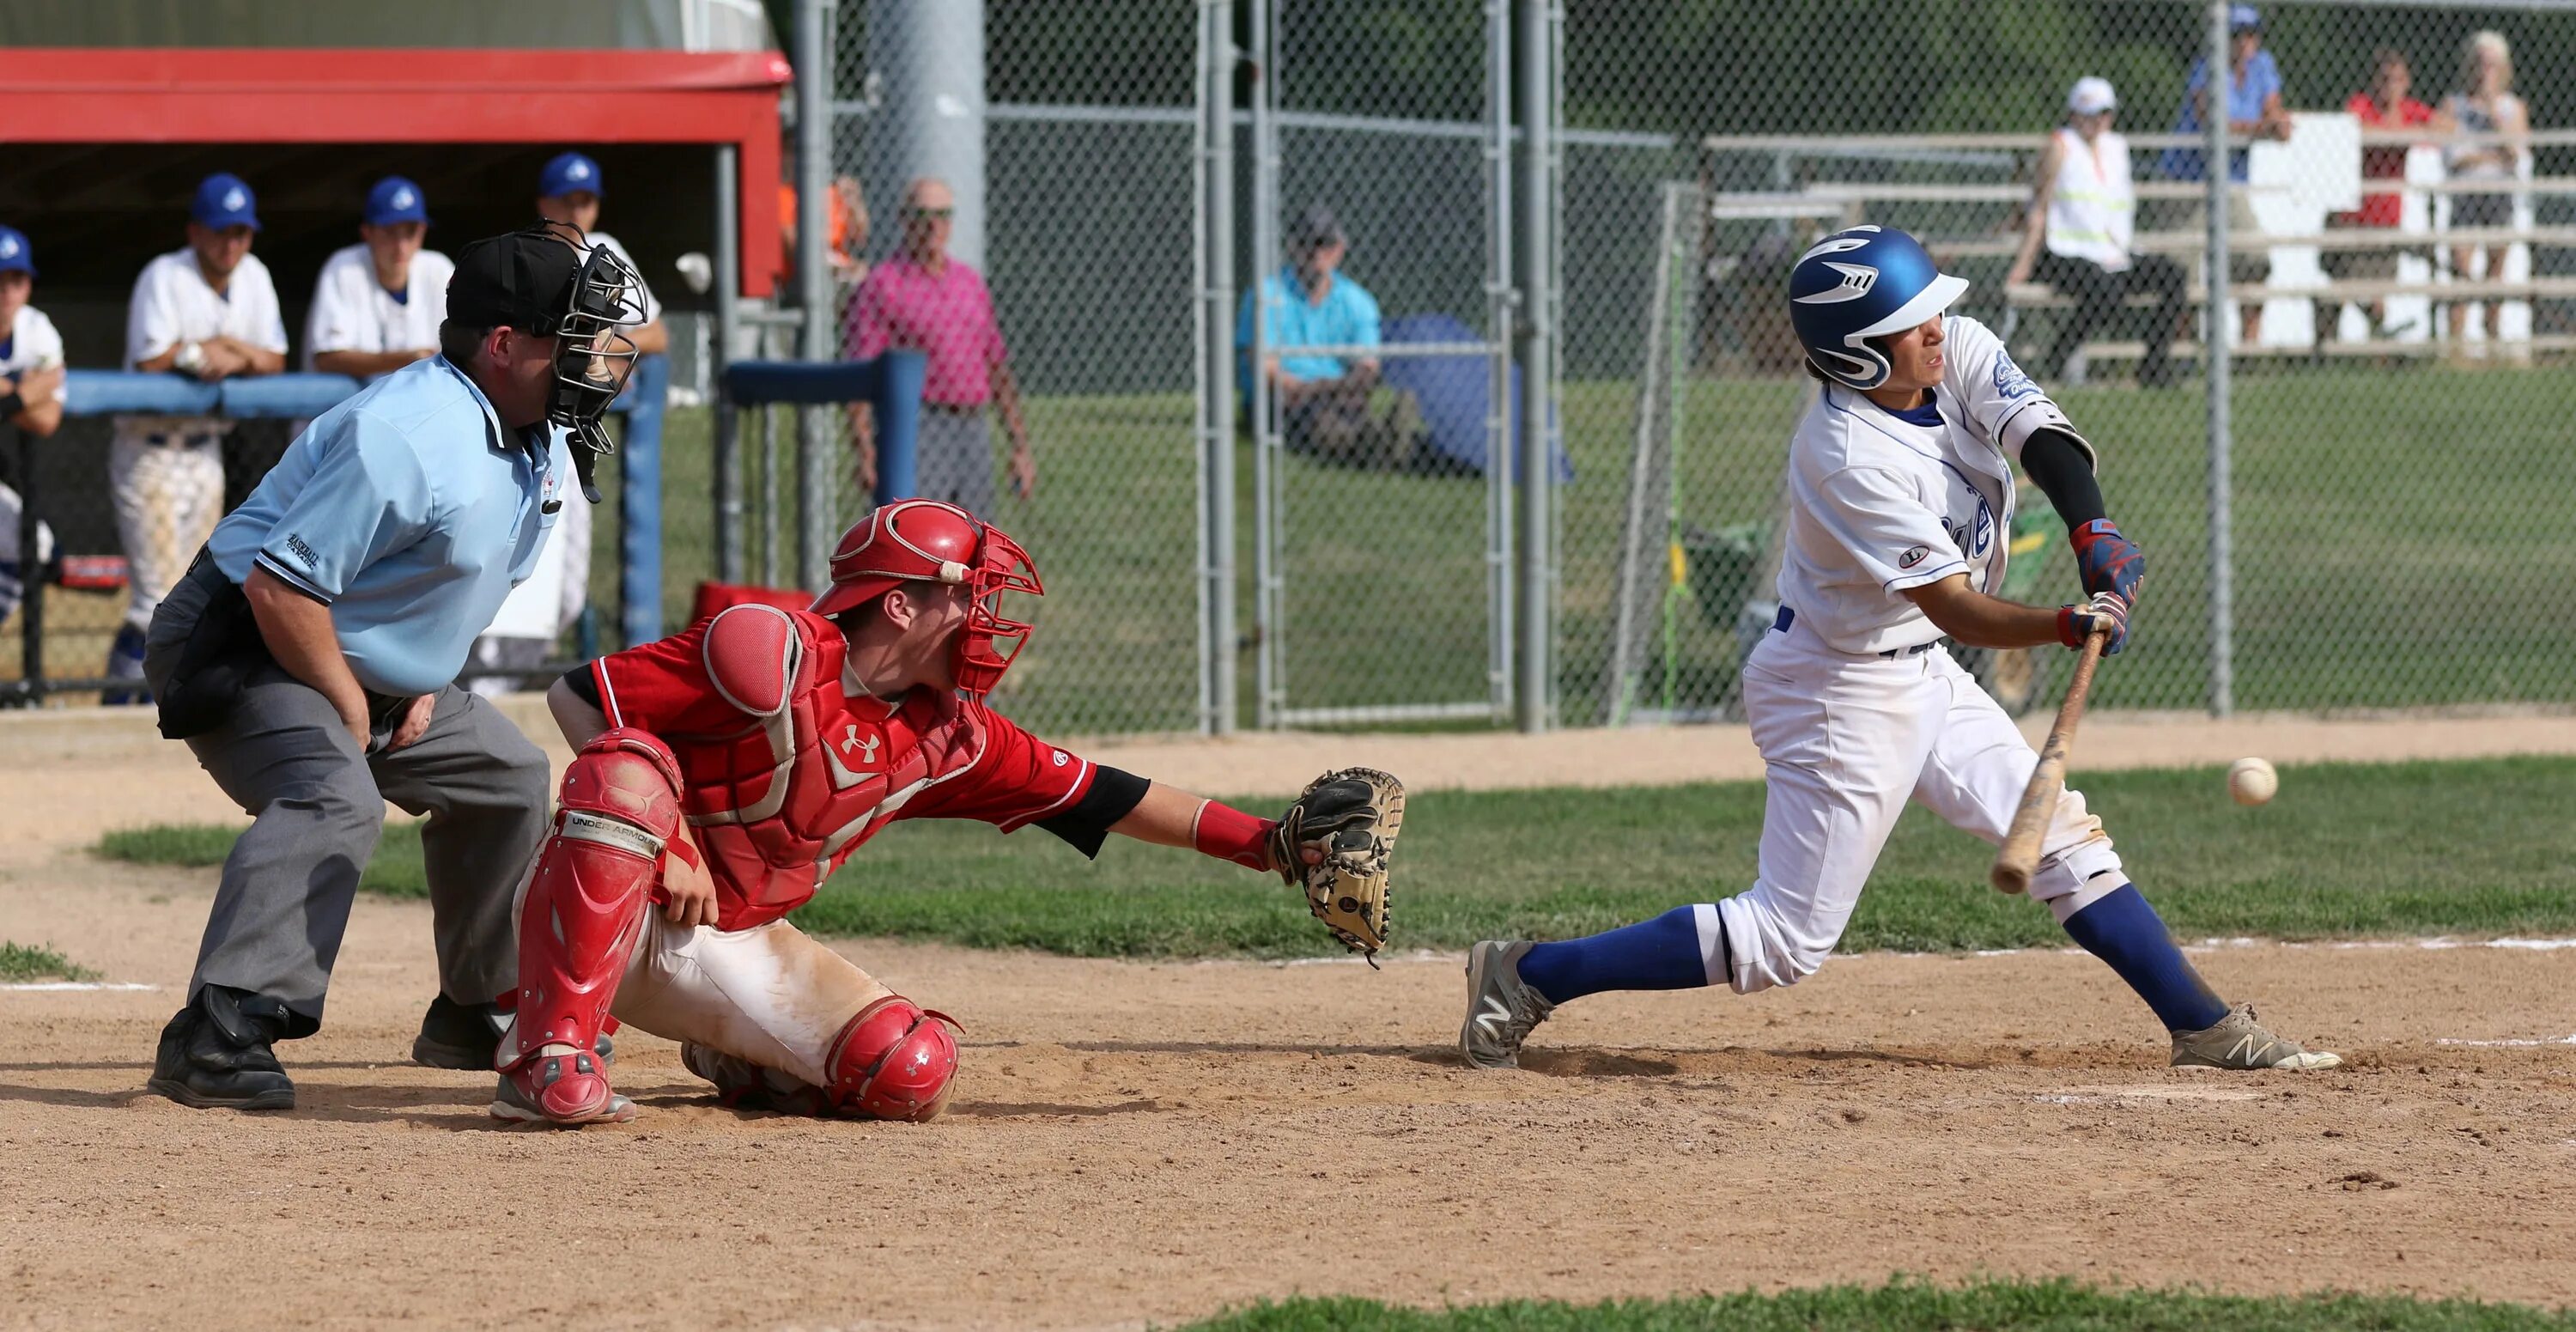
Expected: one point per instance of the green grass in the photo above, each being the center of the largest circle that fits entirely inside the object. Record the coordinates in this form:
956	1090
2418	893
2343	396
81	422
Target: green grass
2402	539
1908	1306
20	963
2347	851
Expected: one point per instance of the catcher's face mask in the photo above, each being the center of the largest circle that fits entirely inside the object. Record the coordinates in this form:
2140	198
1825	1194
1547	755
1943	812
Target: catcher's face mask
593	355
991	642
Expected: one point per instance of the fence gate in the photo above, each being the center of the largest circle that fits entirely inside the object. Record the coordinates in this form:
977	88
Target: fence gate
1382	528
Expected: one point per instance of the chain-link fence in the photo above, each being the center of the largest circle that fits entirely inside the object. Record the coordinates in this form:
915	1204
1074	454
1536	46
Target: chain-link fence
2397	527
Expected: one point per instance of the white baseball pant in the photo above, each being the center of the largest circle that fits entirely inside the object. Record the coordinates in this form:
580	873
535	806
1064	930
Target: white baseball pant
168	498
772	994
1845	742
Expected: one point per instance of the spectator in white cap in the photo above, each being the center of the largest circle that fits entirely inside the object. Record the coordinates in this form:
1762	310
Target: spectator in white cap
2077	231
378	304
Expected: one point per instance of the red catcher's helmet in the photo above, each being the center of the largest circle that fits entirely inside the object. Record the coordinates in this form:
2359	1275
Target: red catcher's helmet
930	542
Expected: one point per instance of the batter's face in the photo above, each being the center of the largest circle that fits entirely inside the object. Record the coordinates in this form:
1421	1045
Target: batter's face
392	246
15	287
219	252
580	208
1914	360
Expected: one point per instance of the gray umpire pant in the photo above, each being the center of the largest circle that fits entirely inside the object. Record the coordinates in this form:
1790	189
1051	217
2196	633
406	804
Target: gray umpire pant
318	805
953	458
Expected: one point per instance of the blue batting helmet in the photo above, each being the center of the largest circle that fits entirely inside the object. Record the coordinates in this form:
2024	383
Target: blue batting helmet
1861	283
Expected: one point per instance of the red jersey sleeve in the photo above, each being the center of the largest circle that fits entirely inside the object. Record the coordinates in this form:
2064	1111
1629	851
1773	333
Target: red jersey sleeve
1017	780
662	687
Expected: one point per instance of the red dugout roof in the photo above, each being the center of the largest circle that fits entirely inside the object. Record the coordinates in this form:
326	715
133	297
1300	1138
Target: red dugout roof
386	95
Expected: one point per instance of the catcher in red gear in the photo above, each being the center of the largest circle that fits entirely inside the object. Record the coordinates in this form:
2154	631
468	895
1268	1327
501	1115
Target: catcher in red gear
726	771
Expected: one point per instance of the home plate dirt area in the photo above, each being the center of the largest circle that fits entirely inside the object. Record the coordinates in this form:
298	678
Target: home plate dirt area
1138	1143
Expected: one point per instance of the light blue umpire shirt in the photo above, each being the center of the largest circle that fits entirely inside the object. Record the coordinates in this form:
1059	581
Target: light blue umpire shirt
411	511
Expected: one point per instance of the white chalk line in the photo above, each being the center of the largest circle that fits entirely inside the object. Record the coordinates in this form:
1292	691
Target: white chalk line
61	987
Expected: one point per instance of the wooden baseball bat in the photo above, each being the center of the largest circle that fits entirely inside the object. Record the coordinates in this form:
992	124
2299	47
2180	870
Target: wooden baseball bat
2019	857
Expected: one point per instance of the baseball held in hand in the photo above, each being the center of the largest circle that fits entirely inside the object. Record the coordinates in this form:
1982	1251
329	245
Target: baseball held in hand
2252	781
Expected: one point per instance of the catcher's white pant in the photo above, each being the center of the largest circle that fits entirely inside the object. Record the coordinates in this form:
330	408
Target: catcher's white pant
1845	741
772	994
168	498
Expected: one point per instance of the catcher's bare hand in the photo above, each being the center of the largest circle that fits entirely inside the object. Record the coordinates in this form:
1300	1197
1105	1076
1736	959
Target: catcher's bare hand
690	892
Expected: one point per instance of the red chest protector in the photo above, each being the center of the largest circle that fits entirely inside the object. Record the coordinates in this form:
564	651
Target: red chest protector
817	767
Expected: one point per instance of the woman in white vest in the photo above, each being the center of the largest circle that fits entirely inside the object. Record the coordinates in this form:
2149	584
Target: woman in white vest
2076	235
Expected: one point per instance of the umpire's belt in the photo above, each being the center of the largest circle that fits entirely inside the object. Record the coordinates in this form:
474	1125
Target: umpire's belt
1780	624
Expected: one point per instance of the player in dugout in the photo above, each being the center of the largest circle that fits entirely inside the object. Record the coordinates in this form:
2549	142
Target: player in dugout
724	772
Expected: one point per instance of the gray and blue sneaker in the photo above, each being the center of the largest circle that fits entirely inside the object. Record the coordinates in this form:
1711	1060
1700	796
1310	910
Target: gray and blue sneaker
1501	1008
2238	1041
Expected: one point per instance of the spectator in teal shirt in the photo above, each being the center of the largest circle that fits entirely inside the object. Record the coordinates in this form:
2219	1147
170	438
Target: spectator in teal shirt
2254	111
1322	401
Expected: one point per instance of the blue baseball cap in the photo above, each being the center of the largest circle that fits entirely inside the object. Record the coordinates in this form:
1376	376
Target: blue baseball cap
569	173
395	199
16	255
224	200
2244	18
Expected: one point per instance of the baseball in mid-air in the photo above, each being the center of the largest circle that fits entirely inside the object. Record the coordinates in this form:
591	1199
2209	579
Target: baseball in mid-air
2252	781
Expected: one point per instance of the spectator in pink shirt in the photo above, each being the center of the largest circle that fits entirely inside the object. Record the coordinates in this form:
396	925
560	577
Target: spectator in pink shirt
926	301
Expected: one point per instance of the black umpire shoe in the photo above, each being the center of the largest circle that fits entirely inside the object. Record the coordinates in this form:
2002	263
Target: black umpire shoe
465	1036
215	1054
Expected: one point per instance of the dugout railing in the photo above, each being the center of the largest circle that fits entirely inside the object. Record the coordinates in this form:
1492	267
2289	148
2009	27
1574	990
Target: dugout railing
65	527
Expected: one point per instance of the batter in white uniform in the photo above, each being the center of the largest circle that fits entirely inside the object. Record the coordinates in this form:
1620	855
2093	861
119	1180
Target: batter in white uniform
207	310
378	304
1901	488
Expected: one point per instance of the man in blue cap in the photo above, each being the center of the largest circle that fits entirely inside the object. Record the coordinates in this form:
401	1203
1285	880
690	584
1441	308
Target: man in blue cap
307	659
568	191
206	310
2254	111
31	394
378	304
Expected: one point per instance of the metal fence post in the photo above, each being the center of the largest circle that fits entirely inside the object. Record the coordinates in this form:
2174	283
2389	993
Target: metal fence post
1536	340
815	509
2217	348
1218	634
1501	319
1265	469
727	432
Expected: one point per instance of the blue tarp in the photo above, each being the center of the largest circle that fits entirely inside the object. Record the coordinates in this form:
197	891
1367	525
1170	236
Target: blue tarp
1453	391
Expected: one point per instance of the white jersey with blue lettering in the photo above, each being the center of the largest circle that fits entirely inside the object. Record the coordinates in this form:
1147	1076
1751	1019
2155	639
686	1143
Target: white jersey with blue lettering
1882	502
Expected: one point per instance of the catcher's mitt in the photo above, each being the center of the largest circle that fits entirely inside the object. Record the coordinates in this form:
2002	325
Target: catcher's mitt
1351	815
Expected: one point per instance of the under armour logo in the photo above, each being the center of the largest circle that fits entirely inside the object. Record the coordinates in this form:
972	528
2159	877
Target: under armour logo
867	748
233	200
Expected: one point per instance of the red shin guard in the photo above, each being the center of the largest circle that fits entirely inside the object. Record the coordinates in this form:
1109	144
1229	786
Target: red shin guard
577	929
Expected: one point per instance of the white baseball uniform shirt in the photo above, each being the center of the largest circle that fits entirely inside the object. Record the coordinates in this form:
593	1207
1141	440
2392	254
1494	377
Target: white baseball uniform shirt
1880	503
353	312
173	303
652	307
33	344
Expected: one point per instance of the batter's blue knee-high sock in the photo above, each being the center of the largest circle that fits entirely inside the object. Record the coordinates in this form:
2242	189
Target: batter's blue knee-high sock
1659	954
2123	930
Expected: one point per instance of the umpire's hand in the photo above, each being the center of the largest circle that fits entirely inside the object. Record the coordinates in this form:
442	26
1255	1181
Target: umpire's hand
414	723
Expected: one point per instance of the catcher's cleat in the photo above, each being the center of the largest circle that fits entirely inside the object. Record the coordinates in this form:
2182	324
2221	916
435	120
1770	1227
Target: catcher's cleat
2238	1041
1501	1008
561	1086
464	1036
215	1054
744	1085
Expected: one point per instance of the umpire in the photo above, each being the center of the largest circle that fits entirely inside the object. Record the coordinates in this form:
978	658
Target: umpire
307	659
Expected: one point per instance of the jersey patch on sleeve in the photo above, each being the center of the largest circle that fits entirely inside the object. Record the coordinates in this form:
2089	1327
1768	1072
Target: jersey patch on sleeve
1913	556
2011	383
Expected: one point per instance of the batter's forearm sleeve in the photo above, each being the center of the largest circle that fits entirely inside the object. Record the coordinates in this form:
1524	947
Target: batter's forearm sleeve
2062	470
1113	796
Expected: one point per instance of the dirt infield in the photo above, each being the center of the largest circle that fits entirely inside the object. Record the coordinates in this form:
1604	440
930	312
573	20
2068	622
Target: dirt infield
1136	1143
